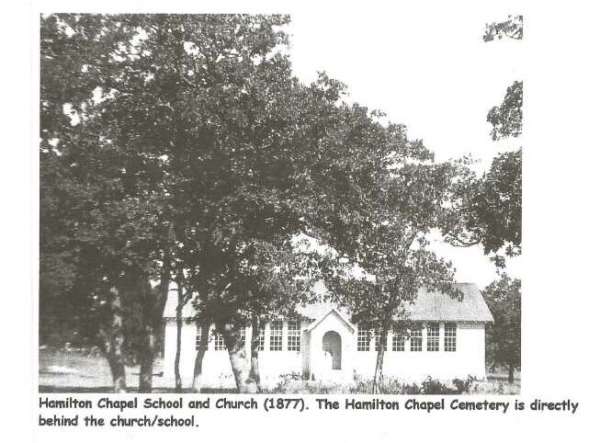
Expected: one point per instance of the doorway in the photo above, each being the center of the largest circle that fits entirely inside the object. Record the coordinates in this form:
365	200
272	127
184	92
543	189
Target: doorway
332	348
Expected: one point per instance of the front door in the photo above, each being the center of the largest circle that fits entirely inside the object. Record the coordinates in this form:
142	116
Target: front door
332	349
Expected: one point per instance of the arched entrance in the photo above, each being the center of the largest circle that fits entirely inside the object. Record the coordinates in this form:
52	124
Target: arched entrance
332	348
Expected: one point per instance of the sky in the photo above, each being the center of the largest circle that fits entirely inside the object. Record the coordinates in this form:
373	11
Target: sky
430	71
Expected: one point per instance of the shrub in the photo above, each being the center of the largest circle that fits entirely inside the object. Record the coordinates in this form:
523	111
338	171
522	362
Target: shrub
388	385
295	383
463	386
433	386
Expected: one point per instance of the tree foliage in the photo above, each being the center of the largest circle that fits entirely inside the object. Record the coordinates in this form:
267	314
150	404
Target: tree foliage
383	261
492	215
154	150
510	28
507	119
183	147
503	337
492	209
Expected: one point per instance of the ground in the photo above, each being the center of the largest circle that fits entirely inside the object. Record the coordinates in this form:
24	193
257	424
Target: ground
82	371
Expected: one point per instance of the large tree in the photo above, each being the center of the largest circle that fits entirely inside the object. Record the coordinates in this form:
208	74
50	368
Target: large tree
503	337
187	143
382	256
190	151
270	282
320	152
98	212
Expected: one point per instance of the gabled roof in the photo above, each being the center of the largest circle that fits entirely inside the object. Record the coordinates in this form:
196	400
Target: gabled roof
428	306
435	306
316	311
335	312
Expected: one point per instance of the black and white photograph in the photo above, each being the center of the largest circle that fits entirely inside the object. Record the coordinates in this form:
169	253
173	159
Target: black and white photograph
294	221
214	220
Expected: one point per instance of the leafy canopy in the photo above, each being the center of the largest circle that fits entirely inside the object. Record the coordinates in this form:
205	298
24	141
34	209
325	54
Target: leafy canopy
503	337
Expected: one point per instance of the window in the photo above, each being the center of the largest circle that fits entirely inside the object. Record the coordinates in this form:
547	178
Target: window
450	337
416	339
379	339
276	337
398	341
219	342
293	336
363	339
433	337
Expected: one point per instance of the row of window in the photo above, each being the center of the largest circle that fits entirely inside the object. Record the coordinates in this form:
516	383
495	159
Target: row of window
275	337
415	338
218	343
364	336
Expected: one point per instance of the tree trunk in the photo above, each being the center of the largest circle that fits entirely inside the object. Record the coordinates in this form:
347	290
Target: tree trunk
378	376
511	374
197	380
240	364
153	302
147	355
179	321
113	342
254	349
117	369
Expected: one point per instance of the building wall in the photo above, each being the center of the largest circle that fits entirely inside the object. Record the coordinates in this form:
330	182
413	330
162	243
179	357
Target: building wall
469	358
272	364
348	343
216	365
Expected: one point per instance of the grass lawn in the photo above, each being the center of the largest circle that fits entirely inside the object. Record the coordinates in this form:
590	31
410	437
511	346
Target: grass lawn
73	371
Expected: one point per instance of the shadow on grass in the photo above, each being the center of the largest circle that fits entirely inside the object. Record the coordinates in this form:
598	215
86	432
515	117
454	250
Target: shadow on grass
46	389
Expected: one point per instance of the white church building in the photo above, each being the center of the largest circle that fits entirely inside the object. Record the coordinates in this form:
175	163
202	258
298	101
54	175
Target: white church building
323	343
